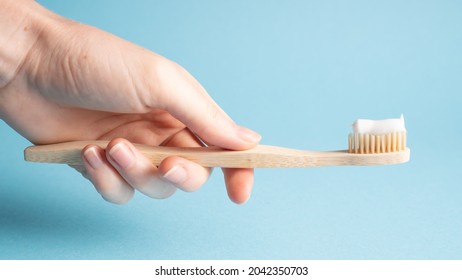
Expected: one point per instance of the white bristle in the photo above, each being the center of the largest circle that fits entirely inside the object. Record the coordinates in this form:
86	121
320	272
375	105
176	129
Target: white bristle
370	143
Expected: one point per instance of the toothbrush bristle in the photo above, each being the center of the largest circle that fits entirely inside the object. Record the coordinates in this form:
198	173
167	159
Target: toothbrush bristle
374	144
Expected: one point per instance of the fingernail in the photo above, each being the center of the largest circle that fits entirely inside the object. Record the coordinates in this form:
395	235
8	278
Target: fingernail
93	158
122	155
176	175
249	135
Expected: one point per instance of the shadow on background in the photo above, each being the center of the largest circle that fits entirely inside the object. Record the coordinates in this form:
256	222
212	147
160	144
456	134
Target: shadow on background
37	222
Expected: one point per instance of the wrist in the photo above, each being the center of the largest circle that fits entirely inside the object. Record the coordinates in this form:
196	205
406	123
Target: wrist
21	22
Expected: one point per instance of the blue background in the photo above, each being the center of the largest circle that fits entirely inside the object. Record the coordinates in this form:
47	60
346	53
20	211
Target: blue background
299	72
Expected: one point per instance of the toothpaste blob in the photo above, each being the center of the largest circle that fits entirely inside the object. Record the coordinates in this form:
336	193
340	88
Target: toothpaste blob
379	127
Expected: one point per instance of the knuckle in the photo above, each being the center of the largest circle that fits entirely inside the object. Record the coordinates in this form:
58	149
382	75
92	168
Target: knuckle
118	198
156	188
112	189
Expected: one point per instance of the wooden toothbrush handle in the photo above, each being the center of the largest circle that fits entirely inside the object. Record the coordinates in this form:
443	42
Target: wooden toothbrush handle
261	156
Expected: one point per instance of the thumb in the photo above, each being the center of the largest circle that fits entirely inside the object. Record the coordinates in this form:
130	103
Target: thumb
185	98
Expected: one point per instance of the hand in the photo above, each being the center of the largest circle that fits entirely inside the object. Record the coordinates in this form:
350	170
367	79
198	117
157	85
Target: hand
79	83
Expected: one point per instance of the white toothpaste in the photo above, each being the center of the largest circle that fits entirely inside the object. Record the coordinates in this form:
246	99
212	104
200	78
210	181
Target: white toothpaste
380	127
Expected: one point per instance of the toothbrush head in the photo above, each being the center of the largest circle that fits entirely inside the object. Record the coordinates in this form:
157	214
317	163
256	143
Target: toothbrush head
359	143
377	136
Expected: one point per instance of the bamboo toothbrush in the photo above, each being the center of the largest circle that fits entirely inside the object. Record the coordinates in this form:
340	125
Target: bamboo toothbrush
364	149
261	156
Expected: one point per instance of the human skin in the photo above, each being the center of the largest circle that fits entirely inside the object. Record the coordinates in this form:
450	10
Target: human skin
61	80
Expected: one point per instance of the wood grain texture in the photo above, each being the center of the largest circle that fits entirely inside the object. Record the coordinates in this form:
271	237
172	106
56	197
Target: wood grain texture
261	156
